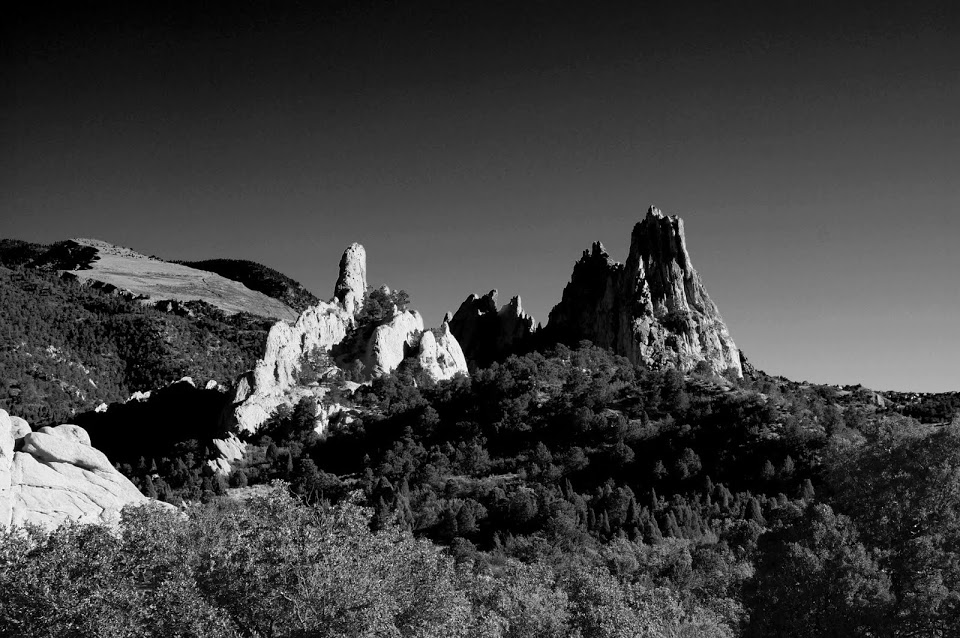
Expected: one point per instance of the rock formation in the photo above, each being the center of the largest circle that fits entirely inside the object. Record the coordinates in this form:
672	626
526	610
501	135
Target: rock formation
440	354
653	309
488	334
229	449
352	282
379	348
54	475
392	342
273	381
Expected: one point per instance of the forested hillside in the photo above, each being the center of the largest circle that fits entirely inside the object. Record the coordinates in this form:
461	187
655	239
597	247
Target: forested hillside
758	507
65	348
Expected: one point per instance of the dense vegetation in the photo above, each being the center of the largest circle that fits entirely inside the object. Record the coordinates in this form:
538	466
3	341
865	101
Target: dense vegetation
754	508
271	566
65	348
260	278
15	252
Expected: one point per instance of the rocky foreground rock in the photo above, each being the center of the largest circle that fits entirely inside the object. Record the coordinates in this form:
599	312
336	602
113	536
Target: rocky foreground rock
653	309
53	475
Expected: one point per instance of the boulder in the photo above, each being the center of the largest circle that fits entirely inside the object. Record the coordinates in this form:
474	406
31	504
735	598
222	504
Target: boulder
20	427
56	476
230	449
654	309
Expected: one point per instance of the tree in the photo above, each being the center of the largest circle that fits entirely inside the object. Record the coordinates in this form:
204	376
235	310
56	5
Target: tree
814	578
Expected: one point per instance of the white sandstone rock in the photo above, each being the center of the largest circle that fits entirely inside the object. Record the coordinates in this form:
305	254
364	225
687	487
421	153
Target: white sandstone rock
20	427
392	342
56	477
352	282
441	356
273	381
231	449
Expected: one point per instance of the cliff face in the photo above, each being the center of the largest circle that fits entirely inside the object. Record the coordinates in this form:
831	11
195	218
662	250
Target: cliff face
653	309
486	333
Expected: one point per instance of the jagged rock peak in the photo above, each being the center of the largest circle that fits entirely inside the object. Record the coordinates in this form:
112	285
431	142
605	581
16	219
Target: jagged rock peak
487	333
352	281
654	309
660	238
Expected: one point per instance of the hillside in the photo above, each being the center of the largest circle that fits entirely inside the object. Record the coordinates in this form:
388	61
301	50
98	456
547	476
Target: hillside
15	252
261	278
97	262
65	348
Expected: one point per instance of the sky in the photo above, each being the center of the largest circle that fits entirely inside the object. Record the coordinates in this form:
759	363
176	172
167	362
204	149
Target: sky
812	149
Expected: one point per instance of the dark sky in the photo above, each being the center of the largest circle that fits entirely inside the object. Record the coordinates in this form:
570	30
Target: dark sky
813	150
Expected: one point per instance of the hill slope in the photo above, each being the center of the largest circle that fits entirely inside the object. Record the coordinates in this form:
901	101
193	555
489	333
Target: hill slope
260	278
65	347
92	260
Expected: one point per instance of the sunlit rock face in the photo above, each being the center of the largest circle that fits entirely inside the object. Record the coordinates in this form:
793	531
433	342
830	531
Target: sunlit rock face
440	354
274	380
654	309
352	282
487	333
53	476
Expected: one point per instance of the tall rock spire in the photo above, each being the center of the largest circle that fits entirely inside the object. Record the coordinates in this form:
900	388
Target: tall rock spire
352	282
654	309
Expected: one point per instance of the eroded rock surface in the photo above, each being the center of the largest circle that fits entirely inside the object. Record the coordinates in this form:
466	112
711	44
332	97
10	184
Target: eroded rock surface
440	354
486	333
392	342
379	348
273	382
654	309
53	475
352	282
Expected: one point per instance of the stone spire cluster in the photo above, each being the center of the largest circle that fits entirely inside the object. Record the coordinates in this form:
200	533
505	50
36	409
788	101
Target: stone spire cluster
653	309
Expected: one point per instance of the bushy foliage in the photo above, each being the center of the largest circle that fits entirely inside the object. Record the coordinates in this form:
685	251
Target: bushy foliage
379	303
271	566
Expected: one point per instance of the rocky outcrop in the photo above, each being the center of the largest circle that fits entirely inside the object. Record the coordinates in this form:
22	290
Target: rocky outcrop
53	475
229	450
352	282
273	382
489	334
440	354
379	348
392	342
653	309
